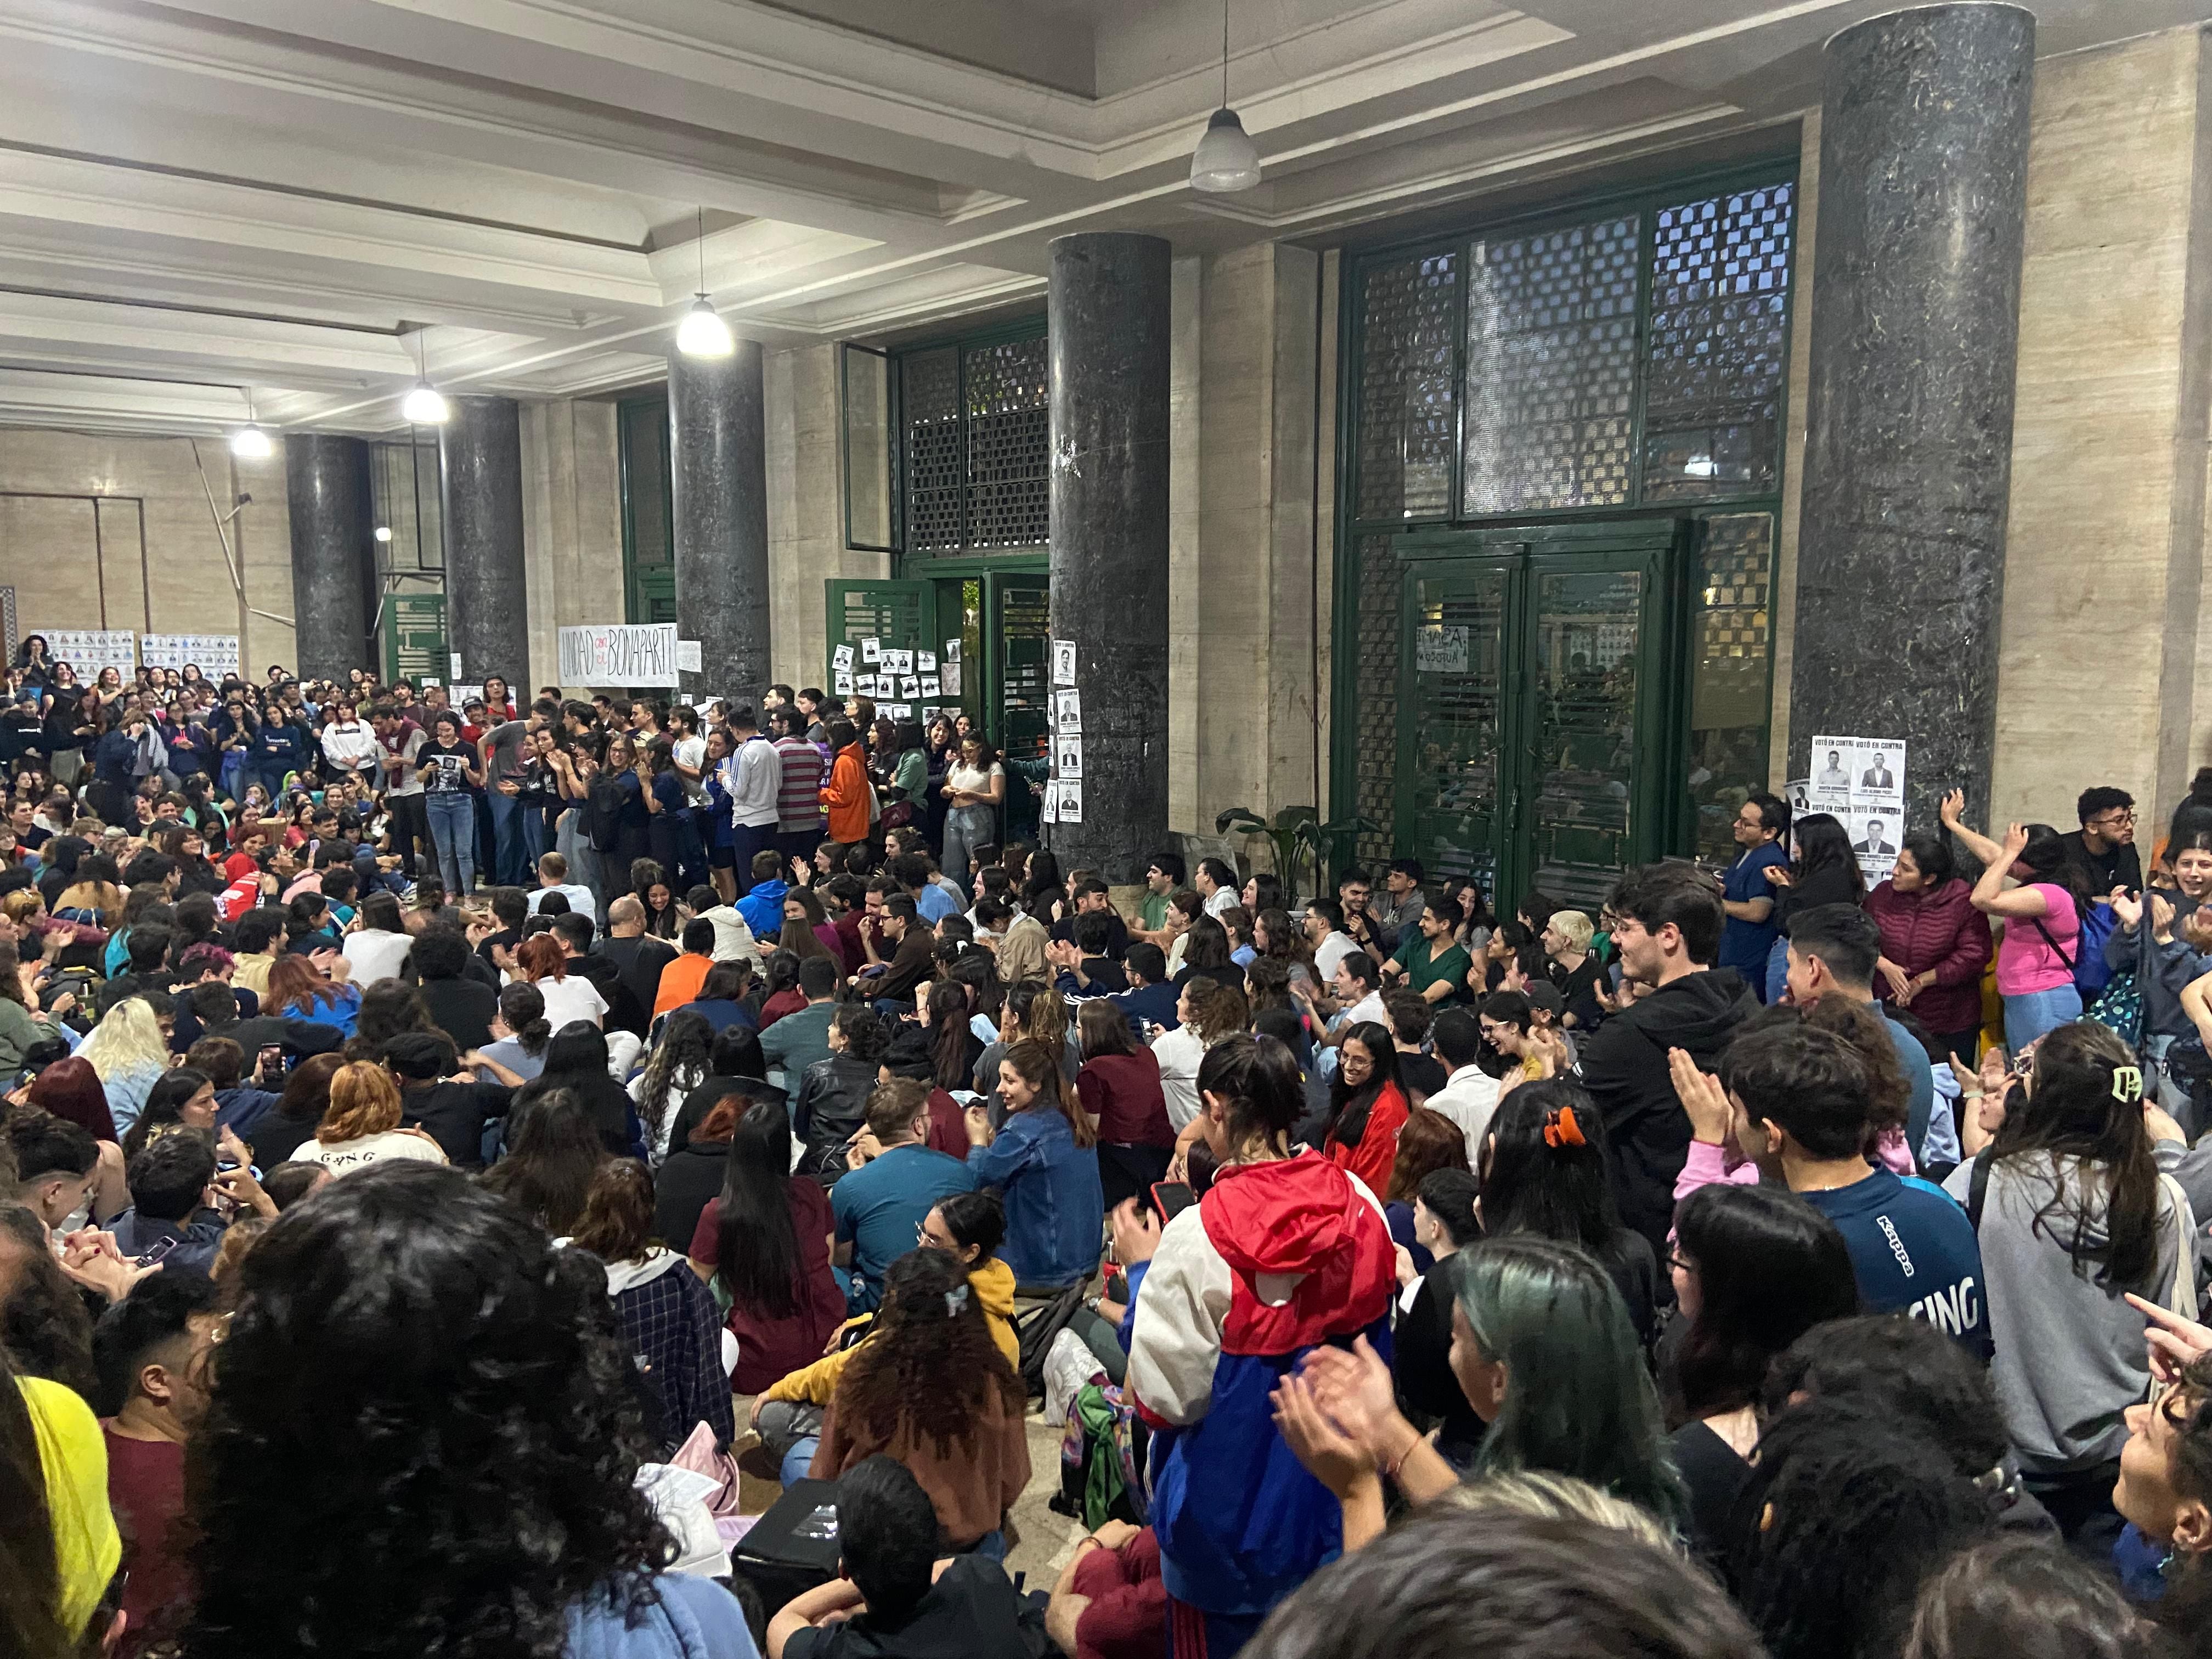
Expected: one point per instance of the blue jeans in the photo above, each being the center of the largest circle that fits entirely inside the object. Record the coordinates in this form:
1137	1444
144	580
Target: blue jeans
1777	972
453	833
2028	1016
508	868
966	828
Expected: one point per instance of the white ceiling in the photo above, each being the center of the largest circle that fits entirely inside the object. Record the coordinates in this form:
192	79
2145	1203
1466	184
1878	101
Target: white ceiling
212	199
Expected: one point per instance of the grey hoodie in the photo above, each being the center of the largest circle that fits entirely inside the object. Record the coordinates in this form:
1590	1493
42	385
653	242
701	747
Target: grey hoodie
2069	1353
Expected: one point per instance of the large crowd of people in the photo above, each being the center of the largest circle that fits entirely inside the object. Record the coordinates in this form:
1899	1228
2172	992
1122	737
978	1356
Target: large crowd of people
421	1119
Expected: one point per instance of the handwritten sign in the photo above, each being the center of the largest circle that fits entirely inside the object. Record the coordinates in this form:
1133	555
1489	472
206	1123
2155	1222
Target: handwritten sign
619	654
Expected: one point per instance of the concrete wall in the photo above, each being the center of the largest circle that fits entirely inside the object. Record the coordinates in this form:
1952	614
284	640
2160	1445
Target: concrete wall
806	510
571	523
2098	665
65	577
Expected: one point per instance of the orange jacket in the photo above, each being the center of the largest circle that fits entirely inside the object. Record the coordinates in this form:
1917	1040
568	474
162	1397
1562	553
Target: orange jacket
846	795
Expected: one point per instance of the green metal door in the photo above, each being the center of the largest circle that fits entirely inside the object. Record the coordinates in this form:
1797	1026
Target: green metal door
899	615
1541	712
1021	607
415	638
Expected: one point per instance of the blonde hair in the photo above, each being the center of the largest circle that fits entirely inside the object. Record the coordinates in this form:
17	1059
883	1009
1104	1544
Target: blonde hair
127	1039
364	1100
1573	926
1542	1495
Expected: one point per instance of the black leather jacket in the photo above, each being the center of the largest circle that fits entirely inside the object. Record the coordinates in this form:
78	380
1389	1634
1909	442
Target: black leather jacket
832	1108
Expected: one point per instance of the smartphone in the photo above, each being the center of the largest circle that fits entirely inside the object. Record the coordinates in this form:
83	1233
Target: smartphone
1170	1199
272	1058
153	1253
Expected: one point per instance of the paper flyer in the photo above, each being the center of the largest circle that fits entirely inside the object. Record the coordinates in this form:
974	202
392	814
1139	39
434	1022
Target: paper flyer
1063	662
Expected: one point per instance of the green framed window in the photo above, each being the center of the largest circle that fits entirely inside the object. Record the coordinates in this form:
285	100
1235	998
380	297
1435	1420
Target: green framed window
1618	360
410	559
947	444
648	518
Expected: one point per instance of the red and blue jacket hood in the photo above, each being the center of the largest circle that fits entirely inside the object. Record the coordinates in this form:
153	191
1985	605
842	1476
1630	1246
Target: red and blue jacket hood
1310	1255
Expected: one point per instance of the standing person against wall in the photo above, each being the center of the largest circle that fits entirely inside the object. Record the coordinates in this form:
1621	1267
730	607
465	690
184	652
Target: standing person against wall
448	768
755	783
2042	917
975	789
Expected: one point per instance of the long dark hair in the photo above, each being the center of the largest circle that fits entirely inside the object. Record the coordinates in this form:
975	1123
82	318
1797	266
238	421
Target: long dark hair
30	1586
2078	1106
929	1361
1770	1266
952	1042
553	1149
1823	843
1348	1108
759	1253
1553	1187
2046	855
408	1321
522	1010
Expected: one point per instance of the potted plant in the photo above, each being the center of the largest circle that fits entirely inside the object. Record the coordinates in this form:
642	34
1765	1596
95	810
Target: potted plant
1295	836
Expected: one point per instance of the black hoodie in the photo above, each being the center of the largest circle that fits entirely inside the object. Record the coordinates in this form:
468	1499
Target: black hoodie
1624	1068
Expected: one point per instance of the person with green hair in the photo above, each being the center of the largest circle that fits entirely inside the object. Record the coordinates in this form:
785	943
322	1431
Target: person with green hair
1544	1349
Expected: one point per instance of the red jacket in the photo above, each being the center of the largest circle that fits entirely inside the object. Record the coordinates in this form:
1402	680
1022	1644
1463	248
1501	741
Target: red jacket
1377	1151
1939	930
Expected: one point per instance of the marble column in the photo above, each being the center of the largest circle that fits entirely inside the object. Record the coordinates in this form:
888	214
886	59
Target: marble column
1108	310
1908	456
480	492
718	459
333	518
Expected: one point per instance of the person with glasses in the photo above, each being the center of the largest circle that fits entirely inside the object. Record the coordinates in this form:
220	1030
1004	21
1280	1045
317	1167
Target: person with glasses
2104	847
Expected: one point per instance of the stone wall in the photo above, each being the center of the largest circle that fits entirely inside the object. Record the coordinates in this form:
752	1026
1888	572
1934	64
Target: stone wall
806	510
571	523
66	577
2102	641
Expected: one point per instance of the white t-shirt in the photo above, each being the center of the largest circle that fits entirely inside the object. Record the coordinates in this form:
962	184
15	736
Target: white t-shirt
1367	1011
973	779
581	903
339	1156
376	955
573	998
1225	898
692	751
1330	953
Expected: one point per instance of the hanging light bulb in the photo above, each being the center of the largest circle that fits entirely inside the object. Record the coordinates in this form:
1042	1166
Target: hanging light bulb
250	442
423	405
703	332
1226	160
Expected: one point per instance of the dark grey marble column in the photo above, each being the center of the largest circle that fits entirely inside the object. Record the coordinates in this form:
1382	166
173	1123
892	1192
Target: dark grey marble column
1908	457
334	517
1109	330
480	491
717	456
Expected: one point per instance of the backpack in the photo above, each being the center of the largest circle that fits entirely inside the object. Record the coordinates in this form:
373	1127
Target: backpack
2091	971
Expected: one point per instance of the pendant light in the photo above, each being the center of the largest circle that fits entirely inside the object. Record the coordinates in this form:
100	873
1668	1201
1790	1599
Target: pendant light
423	404
1226	160
703	332
250	442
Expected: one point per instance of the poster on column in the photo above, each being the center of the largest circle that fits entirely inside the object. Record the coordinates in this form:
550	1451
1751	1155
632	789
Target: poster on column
619	654
690	657
1861	781
1049	812
88	650
1071	803
1063	662
213	654
1068	755
1067	711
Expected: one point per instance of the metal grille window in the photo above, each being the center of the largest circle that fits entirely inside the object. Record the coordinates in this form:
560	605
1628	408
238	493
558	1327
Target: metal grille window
958	434
1009	438
1406	374
1551	369
1720	311
1376	713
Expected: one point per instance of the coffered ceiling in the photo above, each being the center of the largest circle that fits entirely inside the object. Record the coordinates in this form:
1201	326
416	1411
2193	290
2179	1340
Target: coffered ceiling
211	201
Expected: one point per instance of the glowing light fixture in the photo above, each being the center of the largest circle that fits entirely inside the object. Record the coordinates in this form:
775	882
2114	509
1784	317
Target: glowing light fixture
1226	160
703	332
384	533
250	442
424	405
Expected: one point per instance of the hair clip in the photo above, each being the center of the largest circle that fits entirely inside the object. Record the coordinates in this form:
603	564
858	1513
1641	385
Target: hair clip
955	1300
1560	1129
2127	1084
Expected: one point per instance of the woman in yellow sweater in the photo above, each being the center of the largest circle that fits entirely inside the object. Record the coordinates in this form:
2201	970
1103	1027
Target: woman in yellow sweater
968	1225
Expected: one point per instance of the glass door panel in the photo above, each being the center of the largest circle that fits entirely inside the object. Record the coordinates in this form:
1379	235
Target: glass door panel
1587	626
1453	740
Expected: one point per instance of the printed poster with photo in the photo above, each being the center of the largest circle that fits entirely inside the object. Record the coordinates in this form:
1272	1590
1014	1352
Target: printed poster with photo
1860	782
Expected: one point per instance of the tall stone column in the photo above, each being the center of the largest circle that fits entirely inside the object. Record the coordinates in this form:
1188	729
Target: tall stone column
334	517
480	491
718	455
1908	456
1108	310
